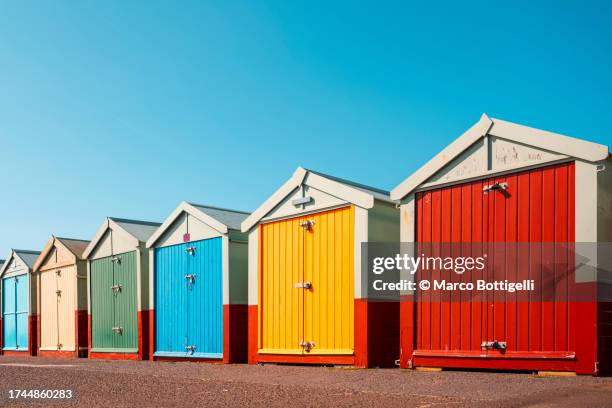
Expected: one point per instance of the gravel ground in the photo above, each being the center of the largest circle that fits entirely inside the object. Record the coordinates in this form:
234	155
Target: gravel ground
100	383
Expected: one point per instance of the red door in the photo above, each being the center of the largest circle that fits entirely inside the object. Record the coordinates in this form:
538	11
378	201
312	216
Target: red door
536	207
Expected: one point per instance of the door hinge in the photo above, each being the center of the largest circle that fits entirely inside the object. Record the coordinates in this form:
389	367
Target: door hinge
307	225
190	349
495	187
493	345
190	250
303	285
117	330
116	259
307	345
116	288
190	277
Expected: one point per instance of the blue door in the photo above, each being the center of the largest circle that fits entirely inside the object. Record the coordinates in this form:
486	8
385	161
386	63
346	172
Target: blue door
15	308
205	299
188	300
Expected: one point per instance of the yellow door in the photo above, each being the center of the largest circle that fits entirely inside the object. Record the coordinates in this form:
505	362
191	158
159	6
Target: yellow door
66	298
329	268
281	303
48	311
306	289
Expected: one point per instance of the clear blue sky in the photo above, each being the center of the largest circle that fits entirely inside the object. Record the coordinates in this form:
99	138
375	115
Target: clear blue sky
127	108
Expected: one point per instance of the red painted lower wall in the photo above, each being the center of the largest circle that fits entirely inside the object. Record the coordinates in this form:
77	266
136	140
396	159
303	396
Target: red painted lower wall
376	338
81	333
235	333
604	337
151	334
143	335
32	334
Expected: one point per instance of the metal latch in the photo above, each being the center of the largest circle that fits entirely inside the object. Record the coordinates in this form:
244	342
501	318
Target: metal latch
190	277
58	292
117	329
307	345
307	225
58	272
495	345
116	288
303	285
495	187
190	349
116	259
59	346
190	250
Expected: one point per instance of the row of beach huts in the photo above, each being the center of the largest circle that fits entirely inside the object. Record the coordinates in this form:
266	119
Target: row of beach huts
283	284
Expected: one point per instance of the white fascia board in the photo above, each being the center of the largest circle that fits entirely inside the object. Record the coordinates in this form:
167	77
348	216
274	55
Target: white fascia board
294	182
43	254
96	239
191	210
340	190
554	142
117	227
480	129
7	262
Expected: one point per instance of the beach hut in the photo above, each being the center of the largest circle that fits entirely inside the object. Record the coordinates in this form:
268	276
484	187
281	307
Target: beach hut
532	191
19	303
118	289
198	286
306	303
61	273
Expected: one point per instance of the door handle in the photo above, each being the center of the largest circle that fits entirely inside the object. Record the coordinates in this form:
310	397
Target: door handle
307	225
190	277
307	345
303	285
495	345
116	288
117	330
495	187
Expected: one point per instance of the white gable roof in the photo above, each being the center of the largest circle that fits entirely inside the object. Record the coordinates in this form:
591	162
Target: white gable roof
140	231
354	193
553	142
75	246
221	219
28	258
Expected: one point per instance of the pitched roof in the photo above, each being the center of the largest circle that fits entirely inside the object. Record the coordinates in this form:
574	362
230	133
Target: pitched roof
76	246
231	218
349	191
139	230
26	256
565	145
221	219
